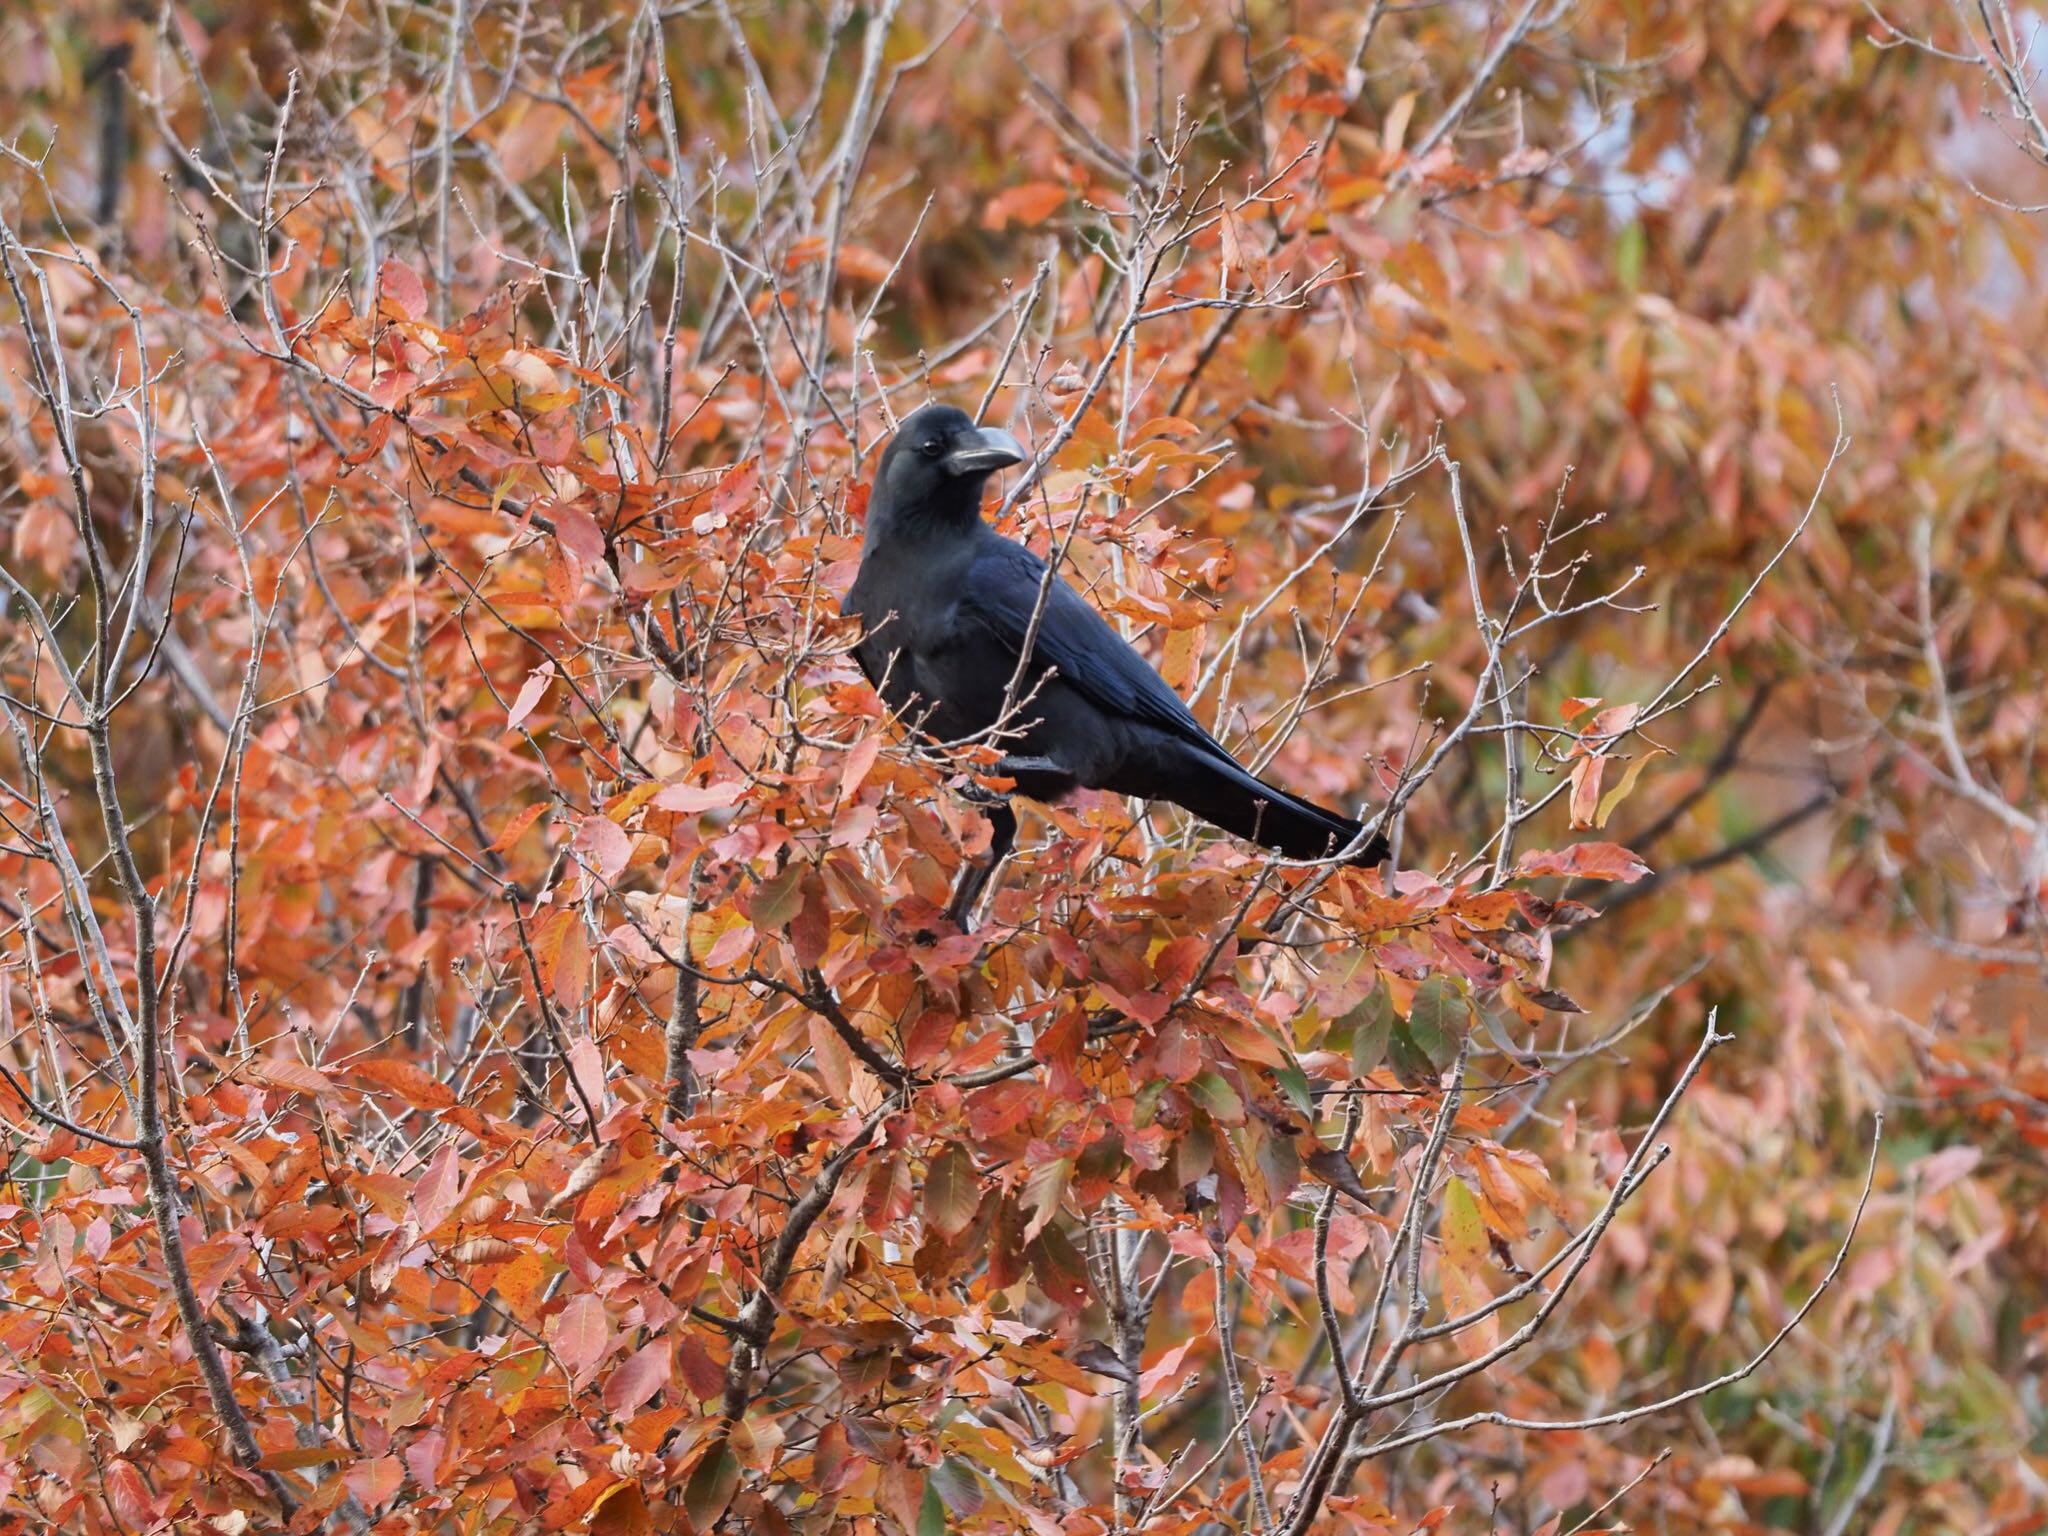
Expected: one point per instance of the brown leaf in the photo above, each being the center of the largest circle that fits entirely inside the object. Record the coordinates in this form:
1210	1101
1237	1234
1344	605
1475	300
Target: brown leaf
1098	1357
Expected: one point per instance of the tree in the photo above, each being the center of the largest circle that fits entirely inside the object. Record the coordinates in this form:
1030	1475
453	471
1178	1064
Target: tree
481	1044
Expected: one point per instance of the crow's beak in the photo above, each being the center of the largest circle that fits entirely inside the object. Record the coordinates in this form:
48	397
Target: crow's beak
988	449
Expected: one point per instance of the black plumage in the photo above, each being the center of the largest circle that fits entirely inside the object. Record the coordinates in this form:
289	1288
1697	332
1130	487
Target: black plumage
946	605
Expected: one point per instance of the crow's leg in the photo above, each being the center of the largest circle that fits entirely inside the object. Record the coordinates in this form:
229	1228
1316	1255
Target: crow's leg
976	874
1039	776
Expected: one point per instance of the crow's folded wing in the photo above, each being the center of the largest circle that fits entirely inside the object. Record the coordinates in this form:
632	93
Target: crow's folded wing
1000	597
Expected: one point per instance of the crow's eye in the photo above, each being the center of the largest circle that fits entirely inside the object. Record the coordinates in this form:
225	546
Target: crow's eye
931	449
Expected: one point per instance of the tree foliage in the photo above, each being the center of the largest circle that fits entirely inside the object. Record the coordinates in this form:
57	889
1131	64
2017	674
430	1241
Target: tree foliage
482	1050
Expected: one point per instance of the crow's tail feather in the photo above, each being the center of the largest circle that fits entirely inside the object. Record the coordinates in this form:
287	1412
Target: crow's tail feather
1227	795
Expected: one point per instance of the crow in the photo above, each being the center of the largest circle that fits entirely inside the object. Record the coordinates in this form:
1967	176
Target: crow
946	606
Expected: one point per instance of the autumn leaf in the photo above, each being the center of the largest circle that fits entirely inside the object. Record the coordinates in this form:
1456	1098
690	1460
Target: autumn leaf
711	1486
293	1076
1042	1192
375	1481
579	534
400	290
952	1192
1586	861
1462	1230
529	696
621	1510
605	844
639	1377
1032	203
517	823
434	1196
582	1334
1612	800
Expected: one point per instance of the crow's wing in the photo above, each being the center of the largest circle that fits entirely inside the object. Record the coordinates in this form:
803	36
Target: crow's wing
1001	595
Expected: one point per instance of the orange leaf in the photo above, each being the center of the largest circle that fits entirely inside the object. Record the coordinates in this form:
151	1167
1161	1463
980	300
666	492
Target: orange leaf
419	1089
1032	203
621	1510
283	1072
516	827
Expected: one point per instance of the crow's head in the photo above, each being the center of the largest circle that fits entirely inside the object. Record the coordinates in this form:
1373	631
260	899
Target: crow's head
938	461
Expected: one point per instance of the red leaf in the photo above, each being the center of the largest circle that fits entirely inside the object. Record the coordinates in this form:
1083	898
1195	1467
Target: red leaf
129	1495
888	1194
434	1197
569	981
375	1481
401	290
1587	861
952	1191
736	488
605	843
810	931
582	1334
579	534
995	1109
1587	773
858	762
645	1372
587	1062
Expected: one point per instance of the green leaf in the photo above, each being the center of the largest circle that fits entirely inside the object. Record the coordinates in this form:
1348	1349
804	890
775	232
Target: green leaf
775	902
1630	247
1411	1064
711	1486
955	1483
1218	1097
1438	1019
1463	1229
1294	1083
1279	1164
1370	1025
931	1511
1266	362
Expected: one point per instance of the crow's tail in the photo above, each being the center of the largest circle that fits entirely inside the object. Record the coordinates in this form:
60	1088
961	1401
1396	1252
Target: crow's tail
1220	791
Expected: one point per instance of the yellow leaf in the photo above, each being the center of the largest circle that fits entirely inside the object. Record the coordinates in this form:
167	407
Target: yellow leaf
1620	792
1395	130
1463	1230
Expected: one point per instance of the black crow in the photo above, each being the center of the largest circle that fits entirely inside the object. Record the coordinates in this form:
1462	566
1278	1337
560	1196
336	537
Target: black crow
946	604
